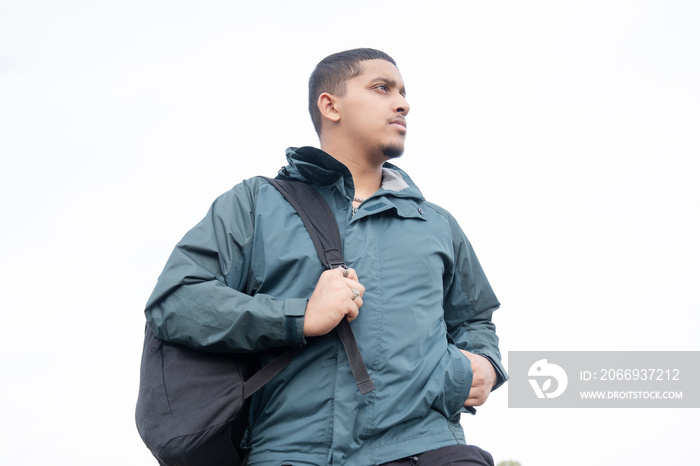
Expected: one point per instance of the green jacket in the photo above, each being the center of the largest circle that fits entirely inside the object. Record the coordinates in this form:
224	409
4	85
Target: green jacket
240	279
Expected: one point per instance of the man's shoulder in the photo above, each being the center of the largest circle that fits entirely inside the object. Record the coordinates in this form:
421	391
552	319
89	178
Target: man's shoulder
456	230
246	189
439	210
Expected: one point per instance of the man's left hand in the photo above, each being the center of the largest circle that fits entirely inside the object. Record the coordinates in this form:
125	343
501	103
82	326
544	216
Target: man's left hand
483	380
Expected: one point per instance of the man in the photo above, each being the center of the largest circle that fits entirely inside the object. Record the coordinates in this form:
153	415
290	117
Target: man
246	278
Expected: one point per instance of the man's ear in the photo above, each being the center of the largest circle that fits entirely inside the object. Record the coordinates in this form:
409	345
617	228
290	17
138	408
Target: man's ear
327	107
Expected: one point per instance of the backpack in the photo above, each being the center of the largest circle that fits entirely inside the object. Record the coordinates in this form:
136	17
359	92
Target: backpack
192	407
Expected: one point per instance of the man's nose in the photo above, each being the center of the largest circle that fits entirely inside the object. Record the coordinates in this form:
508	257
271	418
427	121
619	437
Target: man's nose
402	106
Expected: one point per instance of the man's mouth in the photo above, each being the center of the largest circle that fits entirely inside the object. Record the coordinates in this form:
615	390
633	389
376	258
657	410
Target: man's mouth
399	122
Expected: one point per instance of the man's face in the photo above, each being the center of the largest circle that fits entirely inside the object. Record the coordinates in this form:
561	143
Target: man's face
373	109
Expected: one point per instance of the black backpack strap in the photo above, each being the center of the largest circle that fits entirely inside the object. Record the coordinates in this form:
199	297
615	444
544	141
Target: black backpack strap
323	229
317	217
264	375
357	364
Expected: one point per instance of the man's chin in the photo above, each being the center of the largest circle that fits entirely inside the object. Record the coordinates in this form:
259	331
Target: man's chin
392	151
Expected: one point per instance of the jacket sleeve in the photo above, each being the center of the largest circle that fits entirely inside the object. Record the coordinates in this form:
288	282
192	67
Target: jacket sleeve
204	298
469	304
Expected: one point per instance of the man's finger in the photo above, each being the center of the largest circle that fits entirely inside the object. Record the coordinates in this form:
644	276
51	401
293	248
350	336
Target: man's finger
354	310
348	273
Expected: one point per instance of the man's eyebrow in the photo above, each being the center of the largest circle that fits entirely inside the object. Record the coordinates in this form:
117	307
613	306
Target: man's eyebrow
390	82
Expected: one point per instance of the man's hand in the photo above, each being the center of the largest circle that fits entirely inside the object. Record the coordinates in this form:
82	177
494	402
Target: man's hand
338	294
483	380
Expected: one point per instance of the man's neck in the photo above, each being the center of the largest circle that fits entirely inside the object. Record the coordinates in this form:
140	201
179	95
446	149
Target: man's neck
366	171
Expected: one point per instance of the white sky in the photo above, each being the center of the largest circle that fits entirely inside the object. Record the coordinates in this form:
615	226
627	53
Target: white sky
563	136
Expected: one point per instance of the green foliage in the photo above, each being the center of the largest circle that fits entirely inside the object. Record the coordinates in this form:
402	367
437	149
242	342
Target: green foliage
508	463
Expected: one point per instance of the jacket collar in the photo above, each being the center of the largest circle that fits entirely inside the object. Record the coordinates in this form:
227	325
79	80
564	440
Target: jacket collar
318	167
314	165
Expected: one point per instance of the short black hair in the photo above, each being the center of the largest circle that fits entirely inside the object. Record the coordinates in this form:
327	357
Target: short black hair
332	72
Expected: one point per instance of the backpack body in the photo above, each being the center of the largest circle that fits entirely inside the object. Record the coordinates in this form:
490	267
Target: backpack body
191	409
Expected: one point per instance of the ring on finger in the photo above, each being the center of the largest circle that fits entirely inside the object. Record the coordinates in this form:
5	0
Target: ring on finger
355	293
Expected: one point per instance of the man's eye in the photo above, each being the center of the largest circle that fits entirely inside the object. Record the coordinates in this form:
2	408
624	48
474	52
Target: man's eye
382	87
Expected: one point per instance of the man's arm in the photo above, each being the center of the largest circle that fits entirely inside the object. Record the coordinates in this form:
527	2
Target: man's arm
200	299
469	305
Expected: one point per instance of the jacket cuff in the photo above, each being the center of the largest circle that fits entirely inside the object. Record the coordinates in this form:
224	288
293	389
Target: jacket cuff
295	310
